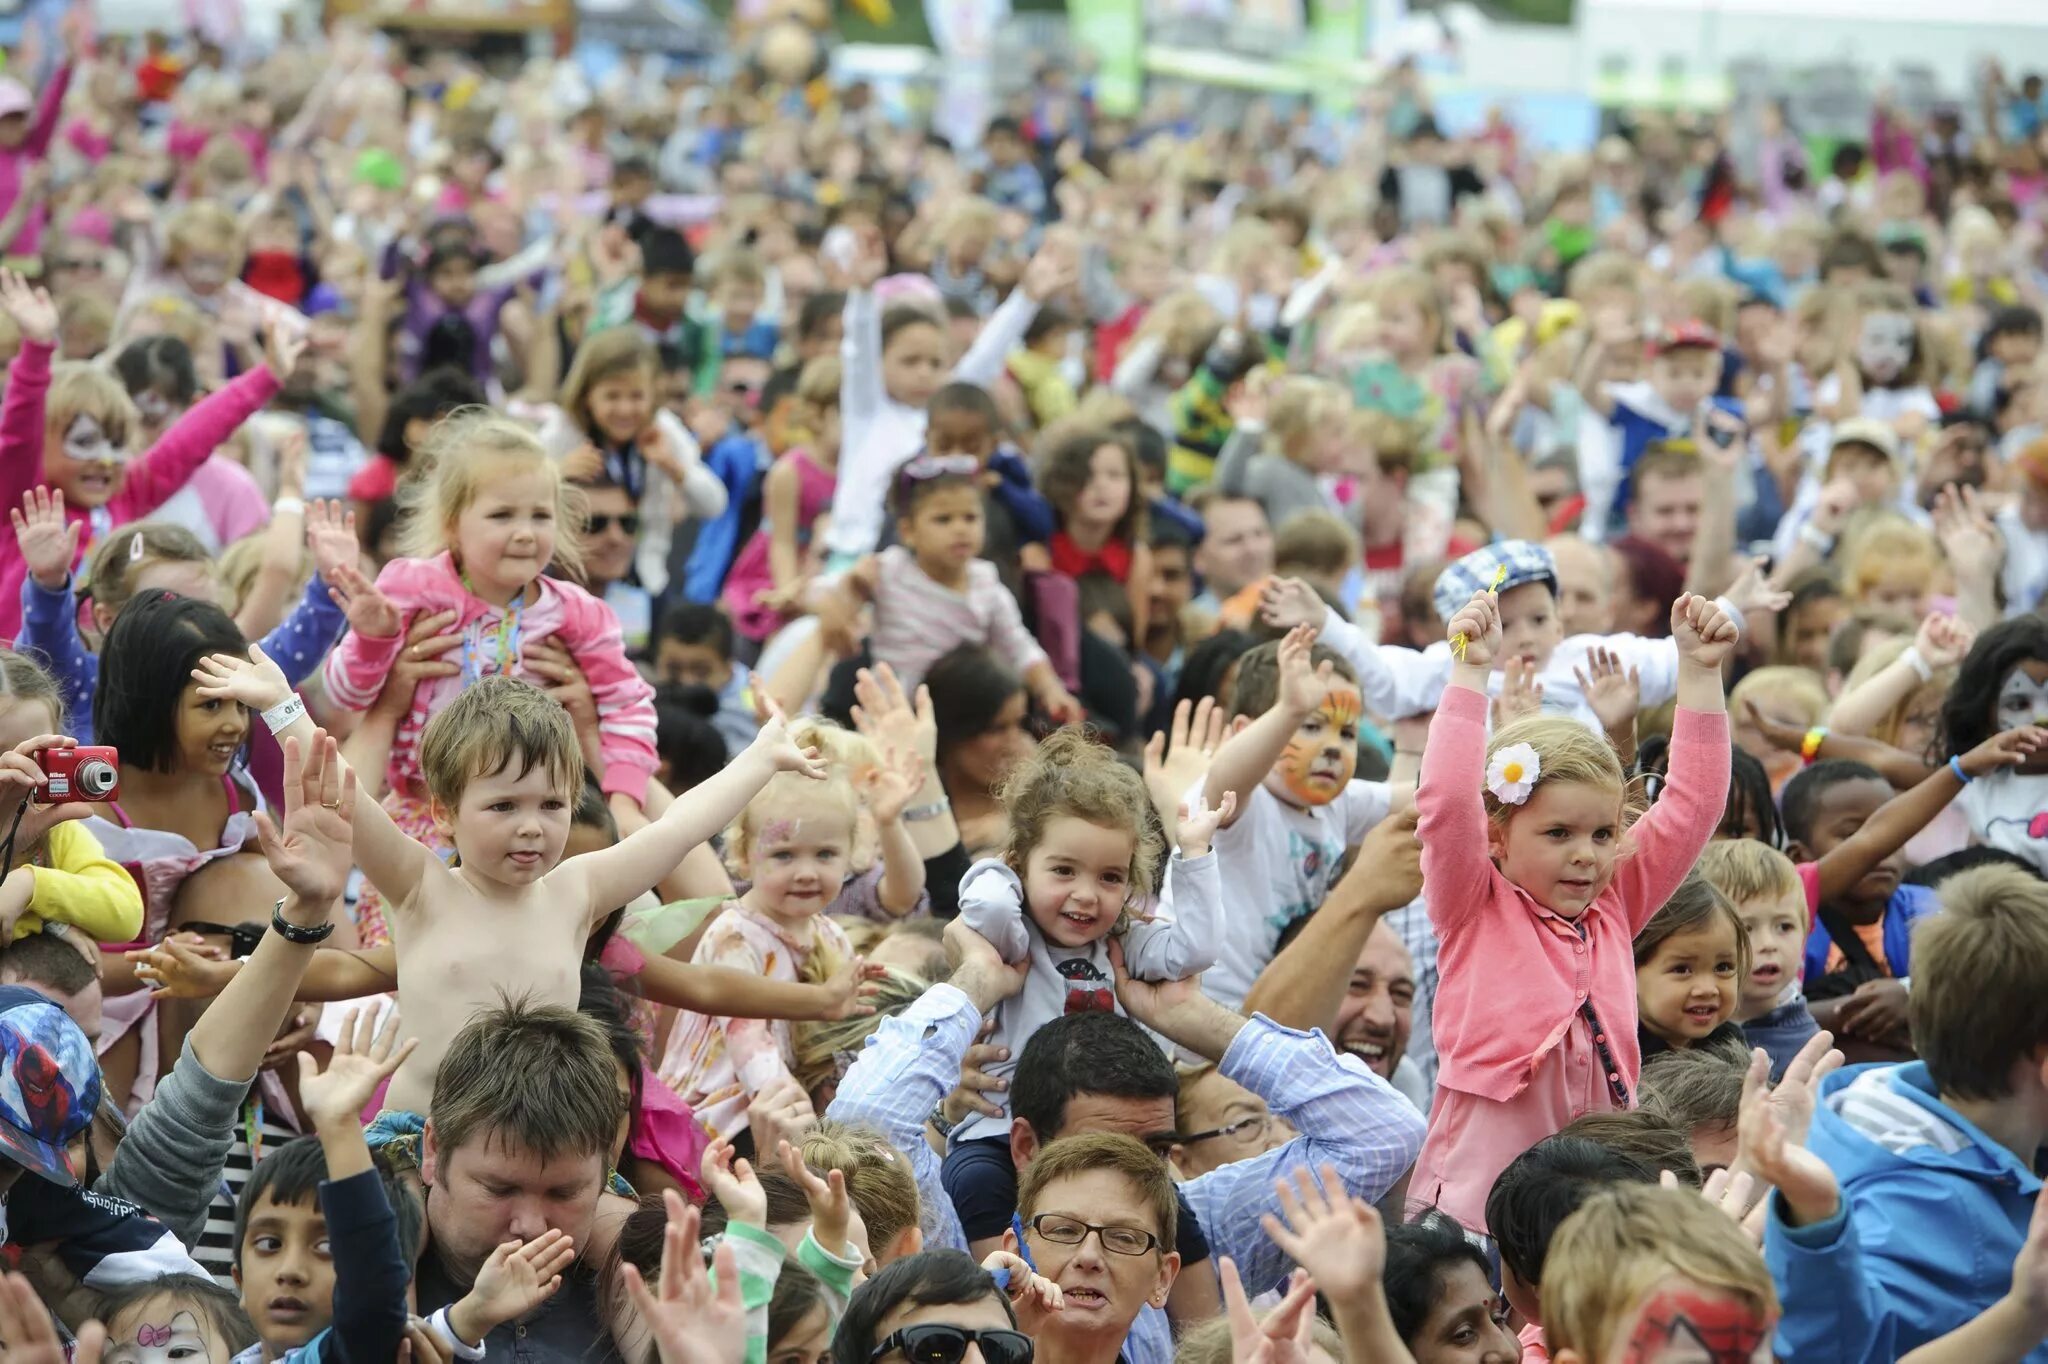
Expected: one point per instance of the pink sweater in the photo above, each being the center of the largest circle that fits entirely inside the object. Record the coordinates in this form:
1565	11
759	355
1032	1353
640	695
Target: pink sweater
15	161
1509	983
151	479
586	627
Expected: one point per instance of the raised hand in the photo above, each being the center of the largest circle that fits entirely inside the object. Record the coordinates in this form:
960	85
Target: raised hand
517	1278
693	1321
20	774
1286	1336
1973	545
1943	641
1803	1180
48	541
1338	1239
313	852
848	989
1614	693
30	307
1837	500
1776	732
1285	603
1061	706
28	1334
1521	695
331	535
831	1207
1175	765
1303	684
1704	634
780	1112
255	681
284	345
1032	1296
182	966
774	744
2007	749
734	1184
369	612
890	785
1052	271
1477	624
1199	821
364	1057
1752	590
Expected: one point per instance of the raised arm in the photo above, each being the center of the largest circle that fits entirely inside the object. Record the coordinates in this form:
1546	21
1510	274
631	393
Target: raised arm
1051	271
1244	760
166	466
1171	948
1451	812
1393	682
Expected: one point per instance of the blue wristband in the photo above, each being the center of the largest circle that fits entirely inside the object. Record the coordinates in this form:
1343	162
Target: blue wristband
1955	765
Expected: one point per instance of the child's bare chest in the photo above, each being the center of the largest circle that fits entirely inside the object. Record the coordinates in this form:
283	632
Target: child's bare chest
464	948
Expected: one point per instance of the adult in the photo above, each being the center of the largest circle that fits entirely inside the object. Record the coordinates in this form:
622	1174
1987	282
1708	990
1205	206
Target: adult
1668	490
936	1304
610	538
1097	1214
67	975
1236	549
1443	1307
1585	584
525	1112
980	706
1348	1118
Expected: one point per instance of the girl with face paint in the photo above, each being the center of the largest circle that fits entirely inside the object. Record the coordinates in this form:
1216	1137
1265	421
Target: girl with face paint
2003	685
74	431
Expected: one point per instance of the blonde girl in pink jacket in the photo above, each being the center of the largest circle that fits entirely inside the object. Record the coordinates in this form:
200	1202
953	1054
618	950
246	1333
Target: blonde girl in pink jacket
480	528
1535	1013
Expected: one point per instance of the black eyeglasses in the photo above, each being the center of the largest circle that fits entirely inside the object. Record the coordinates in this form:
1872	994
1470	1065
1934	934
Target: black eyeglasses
1256	1123
936	1343
1066	1231
629	523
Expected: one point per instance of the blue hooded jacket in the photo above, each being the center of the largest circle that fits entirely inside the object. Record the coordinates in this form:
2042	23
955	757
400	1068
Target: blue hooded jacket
1925	1237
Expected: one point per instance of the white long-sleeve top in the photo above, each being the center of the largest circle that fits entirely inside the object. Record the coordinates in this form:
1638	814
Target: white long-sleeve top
1065	980
664	504
877	433
1396	682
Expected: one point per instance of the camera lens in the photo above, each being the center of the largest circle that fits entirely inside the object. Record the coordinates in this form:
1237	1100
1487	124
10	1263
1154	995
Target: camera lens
95	777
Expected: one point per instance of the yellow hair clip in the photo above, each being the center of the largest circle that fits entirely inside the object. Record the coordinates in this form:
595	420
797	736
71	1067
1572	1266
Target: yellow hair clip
1458	641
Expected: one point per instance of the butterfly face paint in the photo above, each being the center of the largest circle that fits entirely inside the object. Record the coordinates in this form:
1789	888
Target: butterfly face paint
1885	346
1320	759
162	1337
1683	1324
85	440
2023	697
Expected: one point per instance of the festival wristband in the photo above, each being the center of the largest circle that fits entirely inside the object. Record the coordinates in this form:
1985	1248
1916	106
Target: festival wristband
1955	765
1818	538
1809	747
1913	659
281	716
289	506
919	813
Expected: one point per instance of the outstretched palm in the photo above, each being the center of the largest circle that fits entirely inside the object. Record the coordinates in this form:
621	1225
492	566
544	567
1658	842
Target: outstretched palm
313	851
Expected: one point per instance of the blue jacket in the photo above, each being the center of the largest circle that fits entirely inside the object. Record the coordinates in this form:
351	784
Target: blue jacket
1027	506
1923	1242
1908	905
738	460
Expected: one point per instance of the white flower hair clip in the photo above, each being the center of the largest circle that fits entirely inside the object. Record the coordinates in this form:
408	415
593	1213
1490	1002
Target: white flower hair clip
1512	774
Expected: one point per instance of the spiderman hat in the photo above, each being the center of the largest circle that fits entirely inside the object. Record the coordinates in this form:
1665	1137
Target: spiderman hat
49	1083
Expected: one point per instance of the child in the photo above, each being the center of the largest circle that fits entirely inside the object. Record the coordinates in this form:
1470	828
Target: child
1789	696
1689	959
493	512
1685	373
2003	685
964	421
71	434
501	766
1295	749
1091	478
608	427
59	872
694	648
1398	682
657	301
894	365
776	565
1082	853
323	1251
1764	887
222	501
736	283
1421	379
794	839
1893	565
1535	935
932	592
1646	1273
1308	442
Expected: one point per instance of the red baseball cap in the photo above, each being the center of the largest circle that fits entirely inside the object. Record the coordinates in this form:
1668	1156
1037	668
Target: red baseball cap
1686	336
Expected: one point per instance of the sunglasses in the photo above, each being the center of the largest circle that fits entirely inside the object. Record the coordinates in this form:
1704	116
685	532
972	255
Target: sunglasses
629	523
935	1343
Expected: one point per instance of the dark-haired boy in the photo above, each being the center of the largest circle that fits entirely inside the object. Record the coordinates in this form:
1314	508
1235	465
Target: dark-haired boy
694	647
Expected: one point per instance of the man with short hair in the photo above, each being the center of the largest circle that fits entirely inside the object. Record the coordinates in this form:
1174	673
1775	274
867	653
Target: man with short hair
517	1142
1586	574
934	1304
47	963
1667	492
1347	1117
1236	549
1097	1214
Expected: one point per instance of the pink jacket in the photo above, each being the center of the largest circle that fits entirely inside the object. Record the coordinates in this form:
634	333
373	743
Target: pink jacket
152	478
1513	974
586	627
14	164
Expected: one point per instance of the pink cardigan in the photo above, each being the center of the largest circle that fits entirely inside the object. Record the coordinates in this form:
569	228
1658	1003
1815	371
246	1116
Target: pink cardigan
586	627
1510	981
152	479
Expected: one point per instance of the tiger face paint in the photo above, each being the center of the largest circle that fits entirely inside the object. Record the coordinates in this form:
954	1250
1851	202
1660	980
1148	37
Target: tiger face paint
1320	759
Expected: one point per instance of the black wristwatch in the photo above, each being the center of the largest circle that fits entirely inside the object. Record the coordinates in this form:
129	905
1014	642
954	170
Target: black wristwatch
938	1119
291	932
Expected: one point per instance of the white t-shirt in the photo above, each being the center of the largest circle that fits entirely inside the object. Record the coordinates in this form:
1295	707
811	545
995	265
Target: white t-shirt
2009	811
1279	862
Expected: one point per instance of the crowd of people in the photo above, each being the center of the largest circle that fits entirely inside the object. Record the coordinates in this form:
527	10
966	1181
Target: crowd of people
1038	750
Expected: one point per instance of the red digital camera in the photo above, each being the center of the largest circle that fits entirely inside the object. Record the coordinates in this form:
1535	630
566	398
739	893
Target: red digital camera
89	773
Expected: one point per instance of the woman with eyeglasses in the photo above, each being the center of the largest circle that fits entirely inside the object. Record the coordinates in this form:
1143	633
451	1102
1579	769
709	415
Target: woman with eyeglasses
1221	1122
1443	1307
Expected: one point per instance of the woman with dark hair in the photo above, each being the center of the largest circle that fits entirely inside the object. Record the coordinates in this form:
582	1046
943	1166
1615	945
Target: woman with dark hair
1444	1309
981	707
952	1298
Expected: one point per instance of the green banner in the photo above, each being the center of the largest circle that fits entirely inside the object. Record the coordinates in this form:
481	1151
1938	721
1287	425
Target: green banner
1114	31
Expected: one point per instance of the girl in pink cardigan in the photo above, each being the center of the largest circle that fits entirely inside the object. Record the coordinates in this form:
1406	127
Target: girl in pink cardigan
481	527
1535	1013
72	432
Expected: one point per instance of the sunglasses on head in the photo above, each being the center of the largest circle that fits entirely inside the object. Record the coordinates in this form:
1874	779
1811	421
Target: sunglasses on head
629	523
936	1343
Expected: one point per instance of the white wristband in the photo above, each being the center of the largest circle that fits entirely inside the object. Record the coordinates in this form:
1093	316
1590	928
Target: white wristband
280	716
1922	668
1818	538
289	506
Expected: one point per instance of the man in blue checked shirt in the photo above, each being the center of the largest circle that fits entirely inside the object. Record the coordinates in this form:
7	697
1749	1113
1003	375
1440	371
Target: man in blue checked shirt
1345	1116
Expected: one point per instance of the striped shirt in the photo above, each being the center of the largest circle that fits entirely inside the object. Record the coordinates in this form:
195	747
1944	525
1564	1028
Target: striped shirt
918	621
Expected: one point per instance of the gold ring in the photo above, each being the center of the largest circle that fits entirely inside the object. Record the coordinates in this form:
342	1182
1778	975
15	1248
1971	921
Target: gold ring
330	805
